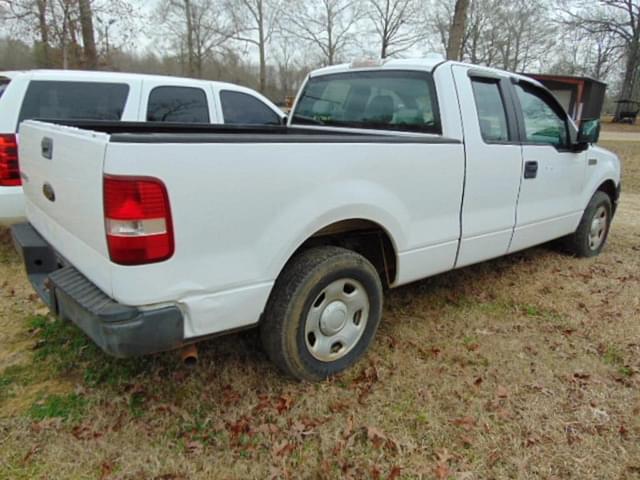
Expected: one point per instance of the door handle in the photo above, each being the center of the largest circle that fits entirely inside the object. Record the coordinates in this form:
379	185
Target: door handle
530	169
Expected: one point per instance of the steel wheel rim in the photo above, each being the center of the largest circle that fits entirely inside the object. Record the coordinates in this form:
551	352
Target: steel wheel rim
598	228
336	320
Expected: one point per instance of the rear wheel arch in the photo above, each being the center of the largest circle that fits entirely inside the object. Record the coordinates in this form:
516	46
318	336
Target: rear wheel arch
363	236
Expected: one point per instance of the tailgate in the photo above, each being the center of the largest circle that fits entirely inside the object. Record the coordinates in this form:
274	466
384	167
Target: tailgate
61	168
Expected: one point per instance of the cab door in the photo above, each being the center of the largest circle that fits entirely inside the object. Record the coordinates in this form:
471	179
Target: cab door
549	205
493	164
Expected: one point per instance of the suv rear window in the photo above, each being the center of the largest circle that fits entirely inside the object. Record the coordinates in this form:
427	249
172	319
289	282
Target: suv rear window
178	104
3	86
56	100
240	108
387	100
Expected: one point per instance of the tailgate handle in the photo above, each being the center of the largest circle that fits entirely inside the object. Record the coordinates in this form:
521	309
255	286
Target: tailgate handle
47	148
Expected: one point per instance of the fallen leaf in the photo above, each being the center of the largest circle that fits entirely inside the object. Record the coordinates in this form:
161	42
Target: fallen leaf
394	473
441	471
466	423
502	392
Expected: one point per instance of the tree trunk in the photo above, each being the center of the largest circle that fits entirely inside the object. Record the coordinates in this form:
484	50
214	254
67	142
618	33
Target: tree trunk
456	33
630	75
88	39
189	18
44	31
261	48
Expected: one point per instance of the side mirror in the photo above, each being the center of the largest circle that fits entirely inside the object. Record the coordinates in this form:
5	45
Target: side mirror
589	131
284	120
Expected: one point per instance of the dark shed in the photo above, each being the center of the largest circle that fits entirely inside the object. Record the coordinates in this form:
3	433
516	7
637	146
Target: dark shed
582	97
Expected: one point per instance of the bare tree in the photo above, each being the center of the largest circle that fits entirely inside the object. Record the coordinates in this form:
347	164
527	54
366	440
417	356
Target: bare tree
255	22
621	19
88	39
328	25
456	33
197	30
394	23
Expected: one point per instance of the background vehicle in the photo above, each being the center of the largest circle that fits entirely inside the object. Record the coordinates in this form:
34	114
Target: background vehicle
78	95
386	174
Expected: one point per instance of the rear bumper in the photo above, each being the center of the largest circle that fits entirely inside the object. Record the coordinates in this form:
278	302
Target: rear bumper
120	330
11	205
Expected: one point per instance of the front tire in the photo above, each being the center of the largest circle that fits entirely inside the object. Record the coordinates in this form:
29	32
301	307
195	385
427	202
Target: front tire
323	313
592	232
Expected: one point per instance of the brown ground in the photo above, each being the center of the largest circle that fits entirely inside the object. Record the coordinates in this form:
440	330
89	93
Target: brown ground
523	367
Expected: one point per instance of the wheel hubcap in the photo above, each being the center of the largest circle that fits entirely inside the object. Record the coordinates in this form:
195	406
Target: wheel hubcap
598	228
336	320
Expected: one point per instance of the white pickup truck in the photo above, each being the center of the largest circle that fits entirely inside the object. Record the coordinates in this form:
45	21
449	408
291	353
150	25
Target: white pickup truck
152	239
77	95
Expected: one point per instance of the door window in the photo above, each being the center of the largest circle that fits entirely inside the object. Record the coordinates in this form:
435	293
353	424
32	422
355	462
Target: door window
74	100
178	104
491	112
544	121
240	108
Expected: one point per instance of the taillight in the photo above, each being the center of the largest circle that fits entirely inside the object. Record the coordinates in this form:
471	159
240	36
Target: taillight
9	169
137	220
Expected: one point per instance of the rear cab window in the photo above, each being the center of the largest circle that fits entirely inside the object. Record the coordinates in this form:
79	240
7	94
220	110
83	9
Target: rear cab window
490	105
381	100
178	104
67	100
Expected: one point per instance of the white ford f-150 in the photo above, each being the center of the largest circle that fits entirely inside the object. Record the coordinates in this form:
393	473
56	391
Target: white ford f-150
77	95
153	238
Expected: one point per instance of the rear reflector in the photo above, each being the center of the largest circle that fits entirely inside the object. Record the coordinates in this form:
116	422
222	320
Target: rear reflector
137	220
9	169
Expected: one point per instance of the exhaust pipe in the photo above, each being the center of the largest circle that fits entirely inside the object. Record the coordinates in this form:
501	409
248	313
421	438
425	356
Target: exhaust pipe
189	355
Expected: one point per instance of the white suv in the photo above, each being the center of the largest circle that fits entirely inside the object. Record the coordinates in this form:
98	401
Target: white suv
78	95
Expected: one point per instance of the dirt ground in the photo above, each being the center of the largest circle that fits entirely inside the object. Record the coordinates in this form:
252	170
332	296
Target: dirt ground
524	367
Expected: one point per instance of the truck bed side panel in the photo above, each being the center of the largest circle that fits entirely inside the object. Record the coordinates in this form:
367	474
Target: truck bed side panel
241	209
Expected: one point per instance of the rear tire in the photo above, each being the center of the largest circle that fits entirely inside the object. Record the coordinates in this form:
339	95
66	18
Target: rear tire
322	314
591	235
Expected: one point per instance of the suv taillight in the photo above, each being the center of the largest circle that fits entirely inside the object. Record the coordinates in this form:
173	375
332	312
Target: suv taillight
137	220
9	169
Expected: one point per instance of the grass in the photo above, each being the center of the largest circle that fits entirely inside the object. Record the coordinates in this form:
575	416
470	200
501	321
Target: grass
70	406
629	153
523	367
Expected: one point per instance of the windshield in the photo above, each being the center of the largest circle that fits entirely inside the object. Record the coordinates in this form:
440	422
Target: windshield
382	100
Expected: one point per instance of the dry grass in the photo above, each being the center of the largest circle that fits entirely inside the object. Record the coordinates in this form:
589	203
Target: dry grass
524	367
608	126
629	153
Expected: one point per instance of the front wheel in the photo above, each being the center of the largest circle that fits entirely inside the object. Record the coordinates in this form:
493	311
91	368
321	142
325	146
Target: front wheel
592	232
323	313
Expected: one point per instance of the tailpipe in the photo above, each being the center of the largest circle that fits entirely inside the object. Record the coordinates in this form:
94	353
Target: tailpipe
189	355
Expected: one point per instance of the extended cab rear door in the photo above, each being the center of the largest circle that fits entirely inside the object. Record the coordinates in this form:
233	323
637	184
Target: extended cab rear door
493	164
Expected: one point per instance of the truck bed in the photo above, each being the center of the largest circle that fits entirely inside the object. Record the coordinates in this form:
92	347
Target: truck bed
243	199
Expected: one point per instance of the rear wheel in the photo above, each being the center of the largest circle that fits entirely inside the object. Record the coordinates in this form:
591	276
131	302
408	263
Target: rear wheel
592	232
323	313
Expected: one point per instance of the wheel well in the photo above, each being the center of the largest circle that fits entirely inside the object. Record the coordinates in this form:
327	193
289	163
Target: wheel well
609	188
364	237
